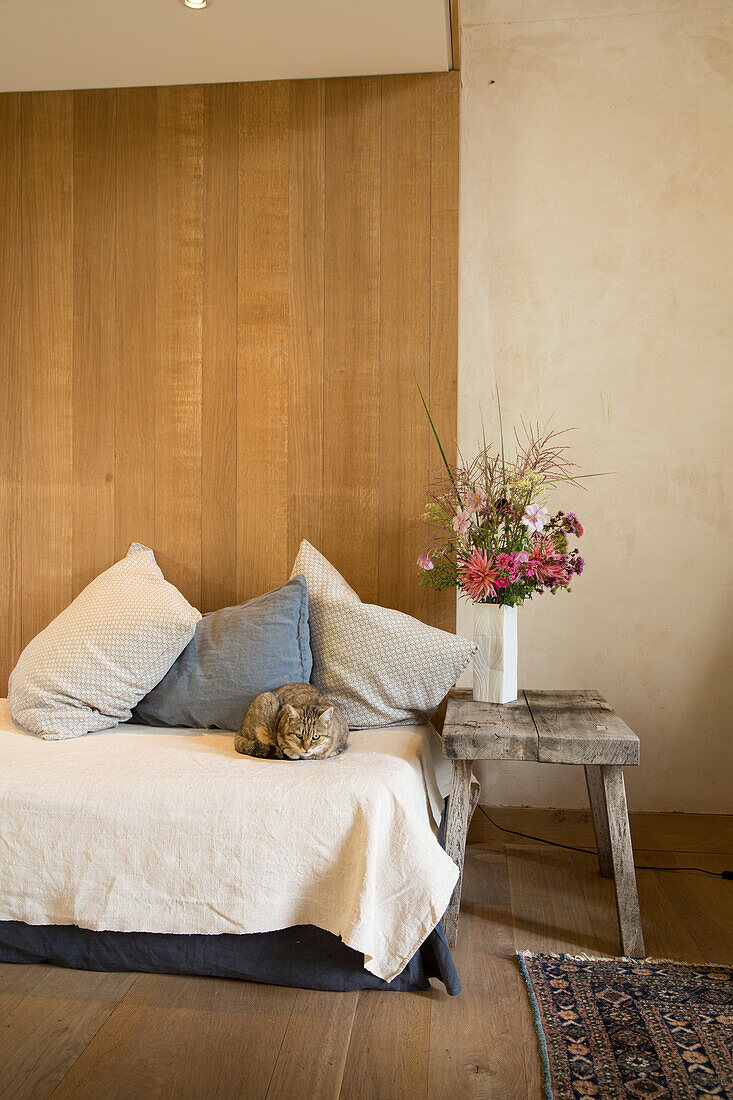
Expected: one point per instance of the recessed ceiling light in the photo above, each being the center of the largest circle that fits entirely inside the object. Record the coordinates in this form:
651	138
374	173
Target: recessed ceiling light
196	4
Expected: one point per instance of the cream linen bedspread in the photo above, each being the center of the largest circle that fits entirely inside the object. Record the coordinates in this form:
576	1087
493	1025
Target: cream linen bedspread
169	830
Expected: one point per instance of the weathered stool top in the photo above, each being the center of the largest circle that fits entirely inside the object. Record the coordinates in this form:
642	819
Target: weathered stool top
553	727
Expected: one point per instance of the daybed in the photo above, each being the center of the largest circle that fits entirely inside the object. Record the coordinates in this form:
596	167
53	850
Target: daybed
152	848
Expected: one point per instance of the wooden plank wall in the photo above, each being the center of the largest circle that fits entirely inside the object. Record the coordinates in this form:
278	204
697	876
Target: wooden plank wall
214	305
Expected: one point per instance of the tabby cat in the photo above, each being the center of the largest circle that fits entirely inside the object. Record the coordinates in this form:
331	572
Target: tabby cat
295	721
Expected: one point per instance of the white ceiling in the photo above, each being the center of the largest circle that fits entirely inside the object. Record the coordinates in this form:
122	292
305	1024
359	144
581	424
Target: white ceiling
49	44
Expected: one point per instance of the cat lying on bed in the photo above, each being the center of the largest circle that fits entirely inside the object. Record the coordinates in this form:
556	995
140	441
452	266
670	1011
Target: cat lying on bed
295	721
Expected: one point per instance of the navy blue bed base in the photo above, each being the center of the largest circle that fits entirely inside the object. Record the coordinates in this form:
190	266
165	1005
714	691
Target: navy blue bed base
303	956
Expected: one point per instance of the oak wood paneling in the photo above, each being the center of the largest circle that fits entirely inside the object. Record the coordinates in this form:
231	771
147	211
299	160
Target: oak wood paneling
307	268
404	357
215	304
93	396
47	310
135	265
219	336
351	372
11	395
179	280
443	292
262	378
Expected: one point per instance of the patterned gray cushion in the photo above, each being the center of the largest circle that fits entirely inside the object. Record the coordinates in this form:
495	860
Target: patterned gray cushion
99	657
381	667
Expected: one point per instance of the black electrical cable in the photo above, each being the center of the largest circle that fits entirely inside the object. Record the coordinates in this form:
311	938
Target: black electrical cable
592	851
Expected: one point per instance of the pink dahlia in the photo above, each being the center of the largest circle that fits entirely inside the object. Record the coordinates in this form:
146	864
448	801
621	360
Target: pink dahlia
478	575
548	564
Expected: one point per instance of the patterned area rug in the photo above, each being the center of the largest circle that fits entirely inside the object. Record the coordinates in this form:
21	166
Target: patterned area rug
612	1028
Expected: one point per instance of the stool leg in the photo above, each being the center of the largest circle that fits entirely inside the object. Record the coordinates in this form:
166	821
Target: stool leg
456	828
597	799
622	856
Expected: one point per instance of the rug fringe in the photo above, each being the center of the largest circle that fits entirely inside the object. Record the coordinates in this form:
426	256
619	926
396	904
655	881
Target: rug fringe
610	958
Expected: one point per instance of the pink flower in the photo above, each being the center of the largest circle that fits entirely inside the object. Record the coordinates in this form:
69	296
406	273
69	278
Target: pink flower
548	564
475	500
425	562
478	575
461	521
535	517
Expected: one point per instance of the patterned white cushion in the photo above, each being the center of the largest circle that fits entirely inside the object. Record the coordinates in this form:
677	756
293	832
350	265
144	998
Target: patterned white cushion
99	657
381	667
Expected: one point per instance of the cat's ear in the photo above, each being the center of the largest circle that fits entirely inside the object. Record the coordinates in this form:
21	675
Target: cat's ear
290	711
326	715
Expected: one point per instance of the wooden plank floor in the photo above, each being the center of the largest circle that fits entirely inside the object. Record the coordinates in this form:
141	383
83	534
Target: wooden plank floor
66	1033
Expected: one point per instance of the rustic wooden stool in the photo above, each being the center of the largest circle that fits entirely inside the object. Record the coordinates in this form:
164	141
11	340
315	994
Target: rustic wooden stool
552	727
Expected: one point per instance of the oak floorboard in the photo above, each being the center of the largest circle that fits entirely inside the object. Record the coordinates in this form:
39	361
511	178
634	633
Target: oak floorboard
388	1052
16	982
46	1031
313	1051
476	1039
665	935
704	904
549	909
185	1037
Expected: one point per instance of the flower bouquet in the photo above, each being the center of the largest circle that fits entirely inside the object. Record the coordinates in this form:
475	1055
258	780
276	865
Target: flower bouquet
496	541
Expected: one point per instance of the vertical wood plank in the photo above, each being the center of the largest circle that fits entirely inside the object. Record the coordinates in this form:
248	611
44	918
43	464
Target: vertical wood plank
300	1060
135	255
351	367
179	271
404	353
444	293
219	365
378	1067
10	385
305	379
93	547
262	352
46	355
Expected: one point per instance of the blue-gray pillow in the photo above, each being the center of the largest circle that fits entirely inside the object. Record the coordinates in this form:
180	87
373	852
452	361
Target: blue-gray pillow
235	654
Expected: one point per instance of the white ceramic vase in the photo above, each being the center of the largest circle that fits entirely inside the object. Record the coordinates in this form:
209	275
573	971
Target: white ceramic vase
495	660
